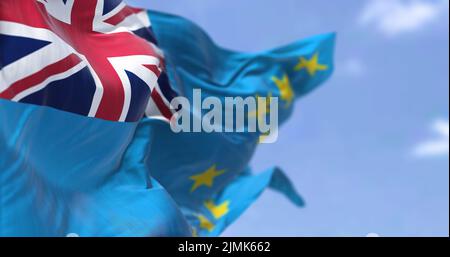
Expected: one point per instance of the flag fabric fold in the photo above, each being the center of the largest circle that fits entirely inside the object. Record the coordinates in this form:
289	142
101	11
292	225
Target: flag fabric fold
195	61
67	174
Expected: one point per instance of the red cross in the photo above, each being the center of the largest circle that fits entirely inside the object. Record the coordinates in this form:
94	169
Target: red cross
94	46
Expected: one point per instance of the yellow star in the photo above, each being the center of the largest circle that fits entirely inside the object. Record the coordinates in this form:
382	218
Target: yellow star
206	178
312	66
218	211
205	223
284	85
261	114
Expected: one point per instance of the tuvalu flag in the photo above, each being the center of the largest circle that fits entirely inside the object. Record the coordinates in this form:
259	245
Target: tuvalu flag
76	154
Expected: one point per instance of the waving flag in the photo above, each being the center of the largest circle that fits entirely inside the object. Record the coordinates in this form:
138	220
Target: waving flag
61	171
210	179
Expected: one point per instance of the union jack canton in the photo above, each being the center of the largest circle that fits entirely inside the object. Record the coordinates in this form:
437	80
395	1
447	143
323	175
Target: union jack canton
96	58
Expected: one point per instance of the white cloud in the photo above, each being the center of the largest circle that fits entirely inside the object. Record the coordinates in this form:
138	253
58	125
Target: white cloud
439	146
393	17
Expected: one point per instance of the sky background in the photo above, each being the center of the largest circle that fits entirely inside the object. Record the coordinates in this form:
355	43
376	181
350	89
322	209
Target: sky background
368	150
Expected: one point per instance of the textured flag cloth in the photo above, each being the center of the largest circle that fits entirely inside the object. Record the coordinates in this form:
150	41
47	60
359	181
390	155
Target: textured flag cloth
70	73
207	173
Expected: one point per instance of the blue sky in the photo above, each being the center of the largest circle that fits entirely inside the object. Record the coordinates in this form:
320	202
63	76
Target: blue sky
368	150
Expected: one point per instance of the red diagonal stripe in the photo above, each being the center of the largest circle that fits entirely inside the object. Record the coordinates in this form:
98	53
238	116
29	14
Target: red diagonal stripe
162	107
153	68
122	15
40	76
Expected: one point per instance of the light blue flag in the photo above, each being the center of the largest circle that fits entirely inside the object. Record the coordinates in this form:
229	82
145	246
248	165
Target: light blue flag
62	173
207	173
